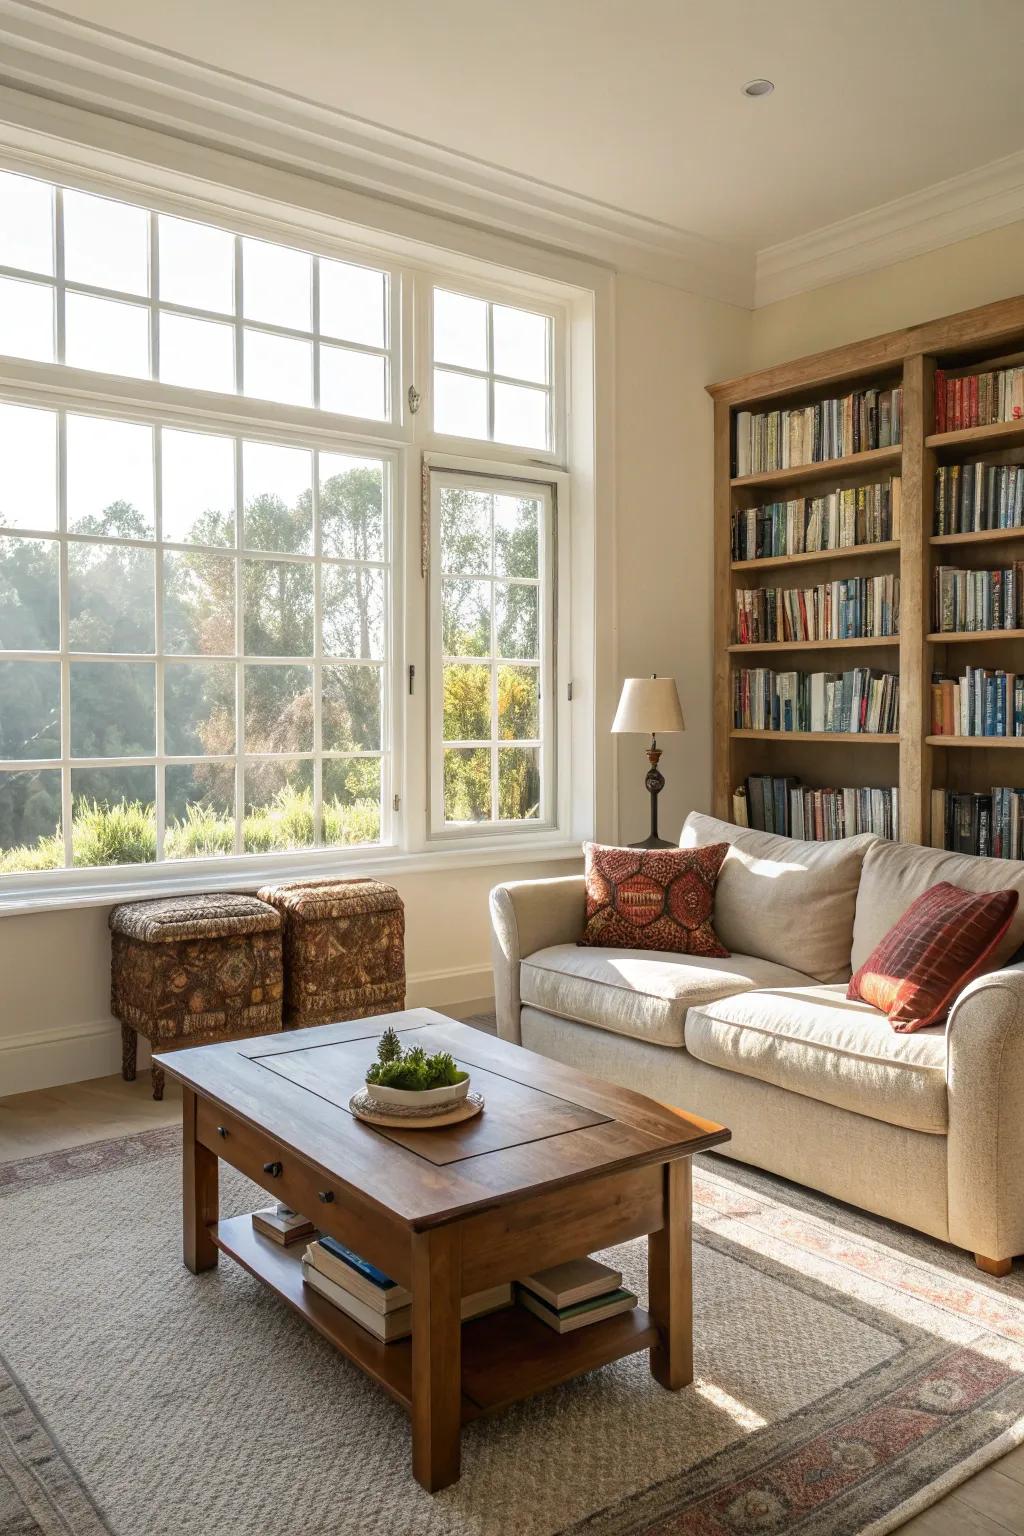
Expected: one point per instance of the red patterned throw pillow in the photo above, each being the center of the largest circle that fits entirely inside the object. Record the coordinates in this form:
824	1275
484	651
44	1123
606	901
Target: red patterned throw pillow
939	944
653	898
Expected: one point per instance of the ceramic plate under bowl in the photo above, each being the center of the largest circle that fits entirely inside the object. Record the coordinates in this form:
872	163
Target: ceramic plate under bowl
424	1100
365	1108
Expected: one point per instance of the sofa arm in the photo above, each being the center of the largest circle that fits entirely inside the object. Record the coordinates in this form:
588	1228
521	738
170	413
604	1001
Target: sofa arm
527	915
985	1083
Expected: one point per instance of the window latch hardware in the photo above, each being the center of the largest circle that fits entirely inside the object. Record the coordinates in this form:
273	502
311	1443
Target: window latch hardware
568	692
412	678
396	803
414	398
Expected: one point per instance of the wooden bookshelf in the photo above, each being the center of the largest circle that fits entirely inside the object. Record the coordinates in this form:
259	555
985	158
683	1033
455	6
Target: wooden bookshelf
855	641
913	759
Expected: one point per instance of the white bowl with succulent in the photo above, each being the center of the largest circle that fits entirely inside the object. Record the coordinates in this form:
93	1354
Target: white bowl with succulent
411	1078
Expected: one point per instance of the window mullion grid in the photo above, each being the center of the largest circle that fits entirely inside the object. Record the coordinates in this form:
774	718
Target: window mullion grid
64	639
239	622
158	634
58	268
318	799
154	311
315	299
490	396
239	355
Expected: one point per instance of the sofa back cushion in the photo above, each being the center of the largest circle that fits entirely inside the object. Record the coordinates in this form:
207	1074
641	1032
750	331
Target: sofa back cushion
895	874
782	899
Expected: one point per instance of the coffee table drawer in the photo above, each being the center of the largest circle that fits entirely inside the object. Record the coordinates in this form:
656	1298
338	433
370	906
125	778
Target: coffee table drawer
261	1159
341	1213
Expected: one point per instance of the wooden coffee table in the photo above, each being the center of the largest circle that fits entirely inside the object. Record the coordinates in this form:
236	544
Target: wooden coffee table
557	1166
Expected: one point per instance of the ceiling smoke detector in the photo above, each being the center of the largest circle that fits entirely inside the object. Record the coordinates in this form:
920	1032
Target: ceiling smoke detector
759	88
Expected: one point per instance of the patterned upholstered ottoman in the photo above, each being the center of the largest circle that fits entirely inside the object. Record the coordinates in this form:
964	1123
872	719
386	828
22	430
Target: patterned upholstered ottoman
344	949
191	969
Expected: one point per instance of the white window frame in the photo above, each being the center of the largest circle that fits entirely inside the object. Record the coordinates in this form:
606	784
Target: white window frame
547	740
407	440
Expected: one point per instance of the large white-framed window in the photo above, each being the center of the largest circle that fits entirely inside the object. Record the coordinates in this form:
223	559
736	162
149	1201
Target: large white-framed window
106	285
492	728
195	642
211	598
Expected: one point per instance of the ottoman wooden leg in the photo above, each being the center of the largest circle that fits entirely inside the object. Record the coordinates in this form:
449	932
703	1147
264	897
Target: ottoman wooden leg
158	1082
129	1050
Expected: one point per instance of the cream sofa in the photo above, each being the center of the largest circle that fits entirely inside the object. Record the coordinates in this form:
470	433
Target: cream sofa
926	1128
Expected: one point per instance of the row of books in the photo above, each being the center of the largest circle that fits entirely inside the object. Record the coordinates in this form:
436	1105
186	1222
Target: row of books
990	825
773	803
966	601
857	607
860	700
861	514
565	1297
980	703
972	498
809	434
978	399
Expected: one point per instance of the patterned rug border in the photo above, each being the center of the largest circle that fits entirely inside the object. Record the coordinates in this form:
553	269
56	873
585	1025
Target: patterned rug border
39	1470
808	1209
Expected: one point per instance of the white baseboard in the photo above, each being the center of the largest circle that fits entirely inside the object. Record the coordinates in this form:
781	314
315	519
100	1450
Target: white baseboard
73	1053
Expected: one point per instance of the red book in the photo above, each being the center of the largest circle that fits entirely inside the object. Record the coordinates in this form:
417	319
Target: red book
973	395
940	400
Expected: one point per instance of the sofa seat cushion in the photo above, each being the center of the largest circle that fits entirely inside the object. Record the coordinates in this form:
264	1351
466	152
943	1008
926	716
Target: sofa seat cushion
816	1042
639	992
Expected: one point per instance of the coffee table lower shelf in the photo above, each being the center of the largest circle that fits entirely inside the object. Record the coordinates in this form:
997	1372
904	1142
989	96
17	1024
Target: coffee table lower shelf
506	1355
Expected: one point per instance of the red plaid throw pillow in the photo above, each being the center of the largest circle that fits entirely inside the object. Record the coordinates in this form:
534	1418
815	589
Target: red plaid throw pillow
653	898
939	944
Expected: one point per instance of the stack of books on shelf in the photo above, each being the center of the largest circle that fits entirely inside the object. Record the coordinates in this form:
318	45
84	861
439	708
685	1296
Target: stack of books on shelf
860	700
370	1297
809	434
774	803
966	601
978	399
575	1295
282	1224
980	703
974	498
856	607
862	514
990	825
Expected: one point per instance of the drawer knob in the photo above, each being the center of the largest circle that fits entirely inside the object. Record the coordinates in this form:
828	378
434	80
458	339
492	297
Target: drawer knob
327	1196
274	1169
222	1130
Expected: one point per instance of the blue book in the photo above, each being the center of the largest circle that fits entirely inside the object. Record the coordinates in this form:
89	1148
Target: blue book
357	1262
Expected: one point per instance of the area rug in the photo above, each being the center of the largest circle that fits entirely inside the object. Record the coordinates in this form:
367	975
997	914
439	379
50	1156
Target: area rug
848	1374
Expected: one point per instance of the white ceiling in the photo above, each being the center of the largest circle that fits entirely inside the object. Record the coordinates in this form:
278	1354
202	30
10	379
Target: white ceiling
637	103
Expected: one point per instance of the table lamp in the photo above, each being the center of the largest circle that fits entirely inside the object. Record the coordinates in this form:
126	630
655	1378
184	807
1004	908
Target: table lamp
649	706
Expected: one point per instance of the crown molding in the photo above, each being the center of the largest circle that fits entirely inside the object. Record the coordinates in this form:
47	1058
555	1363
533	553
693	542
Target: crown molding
77	64
947	211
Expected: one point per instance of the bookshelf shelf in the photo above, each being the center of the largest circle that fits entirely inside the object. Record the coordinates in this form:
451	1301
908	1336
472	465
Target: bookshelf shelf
986	536
968	636
813	556
737	649
865	738
542	1358
975	741
914	759
797	474
1000	434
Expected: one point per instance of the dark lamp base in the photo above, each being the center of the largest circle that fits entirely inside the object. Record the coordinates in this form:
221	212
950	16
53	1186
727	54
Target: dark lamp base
654	842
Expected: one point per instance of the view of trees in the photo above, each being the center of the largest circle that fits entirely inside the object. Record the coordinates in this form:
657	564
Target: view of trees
490	629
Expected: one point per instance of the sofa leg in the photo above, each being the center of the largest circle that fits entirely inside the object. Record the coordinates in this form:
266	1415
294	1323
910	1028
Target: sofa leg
997	1267
129	1050
158	1082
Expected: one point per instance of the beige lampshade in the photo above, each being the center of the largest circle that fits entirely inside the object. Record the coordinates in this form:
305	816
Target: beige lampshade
648	706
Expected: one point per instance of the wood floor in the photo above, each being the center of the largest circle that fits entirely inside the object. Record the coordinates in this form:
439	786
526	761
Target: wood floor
990	1504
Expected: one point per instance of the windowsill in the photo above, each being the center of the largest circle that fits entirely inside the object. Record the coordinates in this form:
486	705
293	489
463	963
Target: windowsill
180	880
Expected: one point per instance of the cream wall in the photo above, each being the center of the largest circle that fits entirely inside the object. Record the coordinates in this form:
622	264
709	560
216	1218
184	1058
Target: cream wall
669	345
959	276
